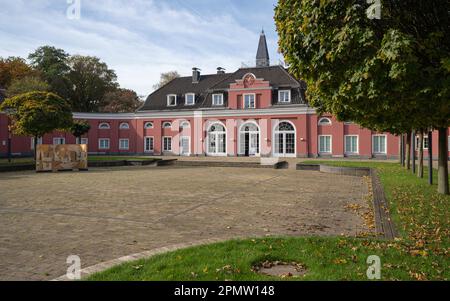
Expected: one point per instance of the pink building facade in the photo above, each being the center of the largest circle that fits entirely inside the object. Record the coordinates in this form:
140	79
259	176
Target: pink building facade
259	111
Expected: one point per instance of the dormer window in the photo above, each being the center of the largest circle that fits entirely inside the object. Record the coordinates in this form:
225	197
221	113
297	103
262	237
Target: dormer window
190	99
171	100
217	99
284	96
249	101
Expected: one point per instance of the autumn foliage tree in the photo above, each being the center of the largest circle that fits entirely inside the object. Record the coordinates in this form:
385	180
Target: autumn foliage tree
388	75
14	68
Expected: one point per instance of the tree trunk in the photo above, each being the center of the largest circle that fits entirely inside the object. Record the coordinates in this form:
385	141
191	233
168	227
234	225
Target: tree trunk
408	151
443	162
400	155
420	159
413	151
430	157
35	147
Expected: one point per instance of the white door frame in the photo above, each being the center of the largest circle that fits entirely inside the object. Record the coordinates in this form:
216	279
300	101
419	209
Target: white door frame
188	153
258	132
274	132
216	134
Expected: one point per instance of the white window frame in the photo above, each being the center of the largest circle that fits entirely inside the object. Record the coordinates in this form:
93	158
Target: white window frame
216	134
346	151
164	125
425	137
60	139
104	139
186	99
84	139
101	124
321	121
164	144
221	99
148	125
276	130
38	142
385	145
123	147
152	145
331	145
168	100
124	126
284	91
254	100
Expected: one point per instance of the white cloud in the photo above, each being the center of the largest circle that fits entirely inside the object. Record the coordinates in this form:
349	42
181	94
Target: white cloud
138	39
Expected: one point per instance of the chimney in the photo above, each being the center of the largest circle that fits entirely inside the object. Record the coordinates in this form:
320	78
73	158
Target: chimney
195	75
220	70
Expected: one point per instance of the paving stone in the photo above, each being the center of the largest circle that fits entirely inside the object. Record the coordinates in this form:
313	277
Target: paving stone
105	214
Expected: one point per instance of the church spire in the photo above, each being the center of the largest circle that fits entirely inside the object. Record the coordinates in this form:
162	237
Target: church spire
262	55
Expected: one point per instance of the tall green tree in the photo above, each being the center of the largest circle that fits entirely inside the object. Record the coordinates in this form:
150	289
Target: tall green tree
53	65
25	85
387	75
90	80
37	113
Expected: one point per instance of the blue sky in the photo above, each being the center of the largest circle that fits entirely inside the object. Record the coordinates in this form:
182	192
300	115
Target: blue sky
139	39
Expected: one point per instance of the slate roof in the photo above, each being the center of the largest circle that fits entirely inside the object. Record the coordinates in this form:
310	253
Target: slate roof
262	54
215	83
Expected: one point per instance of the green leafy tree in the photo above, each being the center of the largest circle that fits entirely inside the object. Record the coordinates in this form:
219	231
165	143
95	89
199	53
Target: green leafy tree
90	80
25	85
121	101
79	128
14	68
37	113
165	78
389	75
53	65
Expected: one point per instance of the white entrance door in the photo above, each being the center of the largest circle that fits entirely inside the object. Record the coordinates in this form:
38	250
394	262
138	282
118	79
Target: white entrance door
185	146
253	149
284	140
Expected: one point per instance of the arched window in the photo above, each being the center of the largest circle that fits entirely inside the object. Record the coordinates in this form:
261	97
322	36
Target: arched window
185	125
167	125
324	121
284	140
148	125
124	126
104	126
249	139
217	140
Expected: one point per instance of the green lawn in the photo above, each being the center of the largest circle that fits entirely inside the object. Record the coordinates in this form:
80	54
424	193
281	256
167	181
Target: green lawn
422	253
29	160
